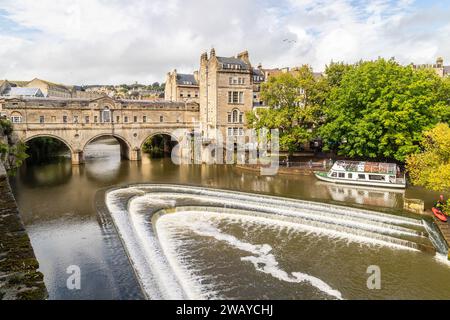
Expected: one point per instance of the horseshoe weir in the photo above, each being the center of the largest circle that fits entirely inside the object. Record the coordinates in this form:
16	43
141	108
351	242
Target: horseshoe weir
157	222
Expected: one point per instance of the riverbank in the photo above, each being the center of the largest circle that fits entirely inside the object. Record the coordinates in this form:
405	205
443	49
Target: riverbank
19	278
304	169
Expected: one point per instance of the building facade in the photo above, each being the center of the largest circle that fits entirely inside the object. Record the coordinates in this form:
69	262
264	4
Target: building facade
76	122
180	87
439	67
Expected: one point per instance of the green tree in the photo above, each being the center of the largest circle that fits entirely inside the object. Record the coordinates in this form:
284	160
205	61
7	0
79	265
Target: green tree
12	153
431	167
380	109
294	107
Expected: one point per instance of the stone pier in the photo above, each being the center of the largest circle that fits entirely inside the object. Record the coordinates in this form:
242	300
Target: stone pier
19	278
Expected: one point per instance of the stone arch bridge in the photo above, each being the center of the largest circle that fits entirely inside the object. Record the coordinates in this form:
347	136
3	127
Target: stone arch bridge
77	122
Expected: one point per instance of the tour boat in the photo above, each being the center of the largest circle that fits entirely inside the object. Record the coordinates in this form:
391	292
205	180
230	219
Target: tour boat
373	174
438	213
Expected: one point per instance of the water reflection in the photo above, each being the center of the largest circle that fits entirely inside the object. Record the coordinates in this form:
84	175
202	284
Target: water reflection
57	205
365	196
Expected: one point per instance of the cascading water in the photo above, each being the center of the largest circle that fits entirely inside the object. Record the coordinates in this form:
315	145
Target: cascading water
172	233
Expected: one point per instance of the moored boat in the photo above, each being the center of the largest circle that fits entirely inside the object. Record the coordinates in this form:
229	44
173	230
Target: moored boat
438	214
373	174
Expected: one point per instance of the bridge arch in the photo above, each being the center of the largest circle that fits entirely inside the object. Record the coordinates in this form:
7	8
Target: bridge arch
168	143
49	135
125	146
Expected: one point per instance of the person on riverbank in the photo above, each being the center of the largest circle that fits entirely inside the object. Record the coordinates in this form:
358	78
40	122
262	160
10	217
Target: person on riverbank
441	205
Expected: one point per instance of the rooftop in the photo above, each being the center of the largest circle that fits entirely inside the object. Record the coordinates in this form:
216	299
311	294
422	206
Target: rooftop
232	61
29	92
186	79
368	167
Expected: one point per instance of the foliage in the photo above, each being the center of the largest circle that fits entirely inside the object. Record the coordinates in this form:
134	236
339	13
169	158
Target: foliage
379	109
12	154
42	149
431	167
294	102
154	146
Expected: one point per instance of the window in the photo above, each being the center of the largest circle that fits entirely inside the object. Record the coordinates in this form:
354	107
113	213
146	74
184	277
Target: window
350	175
64	119
189	95
135	118
161	118
235	97
75	119
230	131
235	116
362	176
181	95
41	119
144	119
106	115
95	119
341	175
235	131
16	119
229	116
125	119
86	119
241	115
334	174
241	131
196	94
375	177
118	119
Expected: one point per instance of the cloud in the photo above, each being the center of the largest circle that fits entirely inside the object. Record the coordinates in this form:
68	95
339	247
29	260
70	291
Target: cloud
98	41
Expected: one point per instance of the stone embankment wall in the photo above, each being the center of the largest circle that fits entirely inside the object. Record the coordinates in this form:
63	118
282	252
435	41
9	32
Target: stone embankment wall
19	278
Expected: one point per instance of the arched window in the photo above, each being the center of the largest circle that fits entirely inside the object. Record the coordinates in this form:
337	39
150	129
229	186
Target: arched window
235	115
106	115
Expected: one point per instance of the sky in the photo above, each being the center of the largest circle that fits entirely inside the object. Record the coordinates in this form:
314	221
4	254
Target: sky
125	41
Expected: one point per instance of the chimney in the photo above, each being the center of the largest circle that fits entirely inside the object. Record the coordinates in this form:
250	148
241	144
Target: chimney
244	57
212	53
196	75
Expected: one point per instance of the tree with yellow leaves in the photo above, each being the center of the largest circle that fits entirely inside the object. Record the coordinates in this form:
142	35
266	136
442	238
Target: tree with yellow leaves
431	167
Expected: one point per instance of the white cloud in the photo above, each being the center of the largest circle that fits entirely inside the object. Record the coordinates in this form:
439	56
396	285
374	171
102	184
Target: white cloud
98	41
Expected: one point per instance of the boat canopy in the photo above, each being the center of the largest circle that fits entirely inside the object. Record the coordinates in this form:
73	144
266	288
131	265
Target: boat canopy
368	167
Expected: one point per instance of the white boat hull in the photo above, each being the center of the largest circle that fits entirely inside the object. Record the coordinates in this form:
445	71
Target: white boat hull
375	184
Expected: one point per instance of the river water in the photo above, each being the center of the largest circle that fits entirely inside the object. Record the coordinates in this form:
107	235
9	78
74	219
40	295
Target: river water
214	240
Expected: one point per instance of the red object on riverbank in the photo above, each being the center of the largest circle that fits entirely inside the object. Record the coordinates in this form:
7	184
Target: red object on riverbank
439	214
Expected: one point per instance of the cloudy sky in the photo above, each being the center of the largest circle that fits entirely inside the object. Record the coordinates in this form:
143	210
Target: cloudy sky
118	41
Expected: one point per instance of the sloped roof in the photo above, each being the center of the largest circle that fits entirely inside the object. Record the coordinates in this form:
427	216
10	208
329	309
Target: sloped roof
19	91
233	60
258	72
186	79
51	84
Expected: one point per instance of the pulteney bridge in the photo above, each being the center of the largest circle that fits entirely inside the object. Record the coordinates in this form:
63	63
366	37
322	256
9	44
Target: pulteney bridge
77	122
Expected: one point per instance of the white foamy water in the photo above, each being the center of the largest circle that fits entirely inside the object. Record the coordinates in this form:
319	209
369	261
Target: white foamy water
262	258
165	273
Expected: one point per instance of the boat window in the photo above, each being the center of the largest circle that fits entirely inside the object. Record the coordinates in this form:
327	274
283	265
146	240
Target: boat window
376	177
341	175
350	175
334	174
362	176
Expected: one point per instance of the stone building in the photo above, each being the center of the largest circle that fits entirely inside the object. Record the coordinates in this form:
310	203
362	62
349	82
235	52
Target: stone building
226	93
50	89
439	67
182	87
77	122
